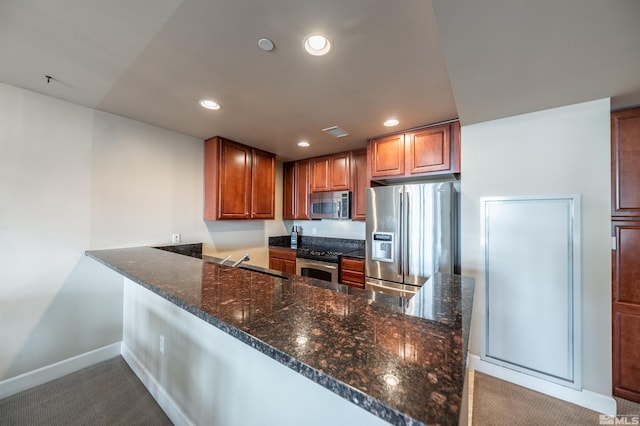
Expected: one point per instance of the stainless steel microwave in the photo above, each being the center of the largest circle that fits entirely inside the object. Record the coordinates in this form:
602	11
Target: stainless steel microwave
330	205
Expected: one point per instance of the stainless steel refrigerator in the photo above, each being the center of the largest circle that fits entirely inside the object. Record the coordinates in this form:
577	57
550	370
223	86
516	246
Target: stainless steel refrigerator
411	233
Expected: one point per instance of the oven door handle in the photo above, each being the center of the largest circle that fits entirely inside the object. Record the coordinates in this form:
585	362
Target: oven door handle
374	286
307	263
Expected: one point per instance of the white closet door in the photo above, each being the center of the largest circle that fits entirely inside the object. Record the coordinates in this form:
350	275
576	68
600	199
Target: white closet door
532	285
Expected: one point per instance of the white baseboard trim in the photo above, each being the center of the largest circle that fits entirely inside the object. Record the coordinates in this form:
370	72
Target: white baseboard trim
594	401
59	369
168	404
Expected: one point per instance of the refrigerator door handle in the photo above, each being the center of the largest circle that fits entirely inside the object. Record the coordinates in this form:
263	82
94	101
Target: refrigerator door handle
400	243
407	235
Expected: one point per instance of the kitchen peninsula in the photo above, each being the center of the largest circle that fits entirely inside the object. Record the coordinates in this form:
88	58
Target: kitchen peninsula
402	360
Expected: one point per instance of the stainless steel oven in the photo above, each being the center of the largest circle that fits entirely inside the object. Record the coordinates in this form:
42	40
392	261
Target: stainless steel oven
317	269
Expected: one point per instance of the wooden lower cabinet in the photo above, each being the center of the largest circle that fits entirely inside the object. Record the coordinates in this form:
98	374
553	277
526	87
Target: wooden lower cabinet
352	271
626	310
282	259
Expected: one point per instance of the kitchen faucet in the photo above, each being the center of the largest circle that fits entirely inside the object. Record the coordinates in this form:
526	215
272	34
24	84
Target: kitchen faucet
242	259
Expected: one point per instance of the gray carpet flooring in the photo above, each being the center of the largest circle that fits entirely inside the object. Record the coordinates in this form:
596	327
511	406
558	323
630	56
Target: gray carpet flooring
496	403
108	393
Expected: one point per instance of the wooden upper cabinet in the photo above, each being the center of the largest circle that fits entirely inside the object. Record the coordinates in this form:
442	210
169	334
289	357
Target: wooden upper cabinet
288	190
339	167
320	174
263	185
420	152
625	162
387	156
295	197
331	173
428	150
359	185
239	181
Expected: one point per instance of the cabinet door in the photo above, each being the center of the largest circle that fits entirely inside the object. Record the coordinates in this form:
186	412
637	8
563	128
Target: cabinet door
626	310
387	156
234	180
359	186
289	266
263	183
302	190
320	173
295	197
288	190
352	272
339	172
276	264
429	150
625	159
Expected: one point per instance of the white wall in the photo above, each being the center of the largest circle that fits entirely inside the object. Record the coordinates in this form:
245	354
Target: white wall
72	179
349	229
206	376
558	151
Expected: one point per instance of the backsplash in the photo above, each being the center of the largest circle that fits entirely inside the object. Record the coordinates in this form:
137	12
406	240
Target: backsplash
329	228
319	243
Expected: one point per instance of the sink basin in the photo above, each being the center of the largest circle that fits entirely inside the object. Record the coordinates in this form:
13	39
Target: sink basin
246	267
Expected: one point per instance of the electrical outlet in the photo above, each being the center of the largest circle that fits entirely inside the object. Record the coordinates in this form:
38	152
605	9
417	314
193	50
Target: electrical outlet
175	239
314	231
161	344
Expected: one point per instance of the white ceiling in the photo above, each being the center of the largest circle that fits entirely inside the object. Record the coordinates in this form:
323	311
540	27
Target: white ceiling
152	60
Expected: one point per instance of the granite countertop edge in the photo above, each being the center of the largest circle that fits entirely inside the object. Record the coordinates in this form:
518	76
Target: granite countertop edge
336	386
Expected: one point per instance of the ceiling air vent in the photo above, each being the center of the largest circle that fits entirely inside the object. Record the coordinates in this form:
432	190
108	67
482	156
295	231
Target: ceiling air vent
335	131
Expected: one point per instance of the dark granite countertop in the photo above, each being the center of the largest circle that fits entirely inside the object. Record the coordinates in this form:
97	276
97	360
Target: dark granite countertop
344	246
357	254
353	342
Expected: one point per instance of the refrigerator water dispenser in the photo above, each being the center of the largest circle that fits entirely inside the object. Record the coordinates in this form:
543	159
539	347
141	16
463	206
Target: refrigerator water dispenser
382	246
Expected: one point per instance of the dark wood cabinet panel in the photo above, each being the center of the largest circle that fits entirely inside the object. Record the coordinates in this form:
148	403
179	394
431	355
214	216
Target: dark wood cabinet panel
420	152
302	190
282	259
288	190
626	263
429	150
331	173
320	174
263	185
340	171
387	156
359	185
626	357
239	181
352	271
625	159
625	214
295	197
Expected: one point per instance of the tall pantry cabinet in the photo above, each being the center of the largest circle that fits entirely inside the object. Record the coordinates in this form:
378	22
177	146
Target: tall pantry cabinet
625	224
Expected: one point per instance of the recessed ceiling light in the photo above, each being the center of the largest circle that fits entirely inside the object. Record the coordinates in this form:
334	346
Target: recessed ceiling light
266	44
316	44
209	104
391	122
303	144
